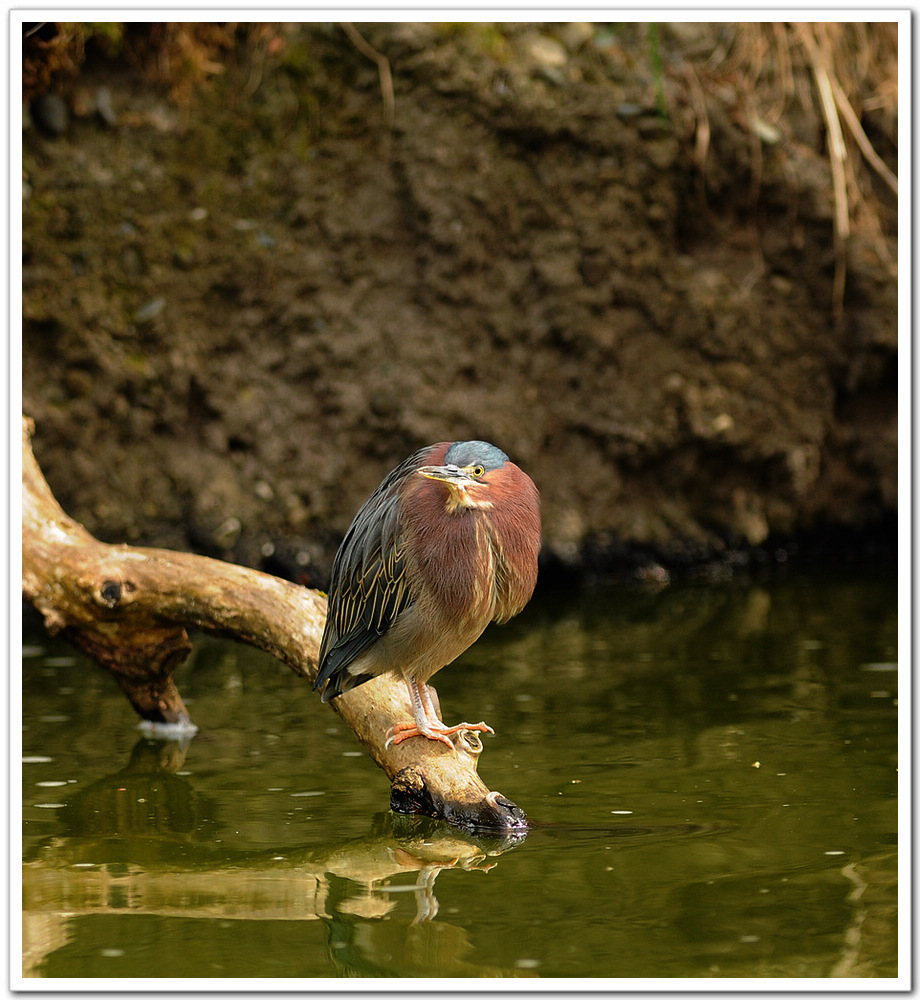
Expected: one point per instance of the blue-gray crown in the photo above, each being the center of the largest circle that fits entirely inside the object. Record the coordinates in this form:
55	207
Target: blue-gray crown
464	453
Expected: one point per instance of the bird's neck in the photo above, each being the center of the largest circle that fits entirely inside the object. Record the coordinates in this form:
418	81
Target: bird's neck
460	500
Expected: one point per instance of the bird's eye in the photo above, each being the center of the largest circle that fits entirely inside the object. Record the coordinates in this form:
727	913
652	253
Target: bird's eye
477	470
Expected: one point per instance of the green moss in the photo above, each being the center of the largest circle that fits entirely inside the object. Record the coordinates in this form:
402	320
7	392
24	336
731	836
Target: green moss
138	364
654	46
108	35
486	38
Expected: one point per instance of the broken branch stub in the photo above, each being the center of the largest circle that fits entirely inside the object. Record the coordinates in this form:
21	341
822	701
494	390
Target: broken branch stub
129	608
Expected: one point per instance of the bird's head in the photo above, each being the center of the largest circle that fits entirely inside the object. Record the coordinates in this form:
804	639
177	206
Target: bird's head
473	472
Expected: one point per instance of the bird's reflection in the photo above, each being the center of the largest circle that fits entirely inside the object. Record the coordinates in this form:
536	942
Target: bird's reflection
368	938
411	844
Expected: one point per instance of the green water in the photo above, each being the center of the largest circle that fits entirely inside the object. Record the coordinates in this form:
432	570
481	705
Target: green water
711	772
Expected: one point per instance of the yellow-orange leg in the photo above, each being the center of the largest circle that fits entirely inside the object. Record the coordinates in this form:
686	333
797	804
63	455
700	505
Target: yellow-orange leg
426	721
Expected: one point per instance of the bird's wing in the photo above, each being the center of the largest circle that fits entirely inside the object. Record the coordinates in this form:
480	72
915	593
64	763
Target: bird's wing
370	593
369	588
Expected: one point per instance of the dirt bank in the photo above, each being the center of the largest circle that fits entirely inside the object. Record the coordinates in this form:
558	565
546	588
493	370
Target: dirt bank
244	304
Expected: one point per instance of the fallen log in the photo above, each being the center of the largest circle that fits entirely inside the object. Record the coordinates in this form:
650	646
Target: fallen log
130	608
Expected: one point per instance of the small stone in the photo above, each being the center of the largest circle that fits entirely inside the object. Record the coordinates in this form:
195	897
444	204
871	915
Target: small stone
150	310
104	106
263	490
547	52
574	34
228	532
628	109
50	113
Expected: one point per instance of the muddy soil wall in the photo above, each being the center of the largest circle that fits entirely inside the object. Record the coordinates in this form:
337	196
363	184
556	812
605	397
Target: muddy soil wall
614	259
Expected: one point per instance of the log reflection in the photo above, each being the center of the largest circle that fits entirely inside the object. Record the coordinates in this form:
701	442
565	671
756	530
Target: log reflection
128	844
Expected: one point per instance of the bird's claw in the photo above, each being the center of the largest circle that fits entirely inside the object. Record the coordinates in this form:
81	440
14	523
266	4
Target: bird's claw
403	731
395	738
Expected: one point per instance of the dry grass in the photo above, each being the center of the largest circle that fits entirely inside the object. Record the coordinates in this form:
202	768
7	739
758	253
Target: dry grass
841	72
386	79
179	56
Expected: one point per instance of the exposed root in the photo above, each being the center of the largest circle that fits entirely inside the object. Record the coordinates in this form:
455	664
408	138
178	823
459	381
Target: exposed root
386	78
835	70
837	154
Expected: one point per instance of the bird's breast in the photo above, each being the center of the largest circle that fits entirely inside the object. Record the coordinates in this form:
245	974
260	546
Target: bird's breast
466	564
458	568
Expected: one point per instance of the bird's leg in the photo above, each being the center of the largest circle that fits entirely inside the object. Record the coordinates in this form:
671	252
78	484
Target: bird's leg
427	722
434	720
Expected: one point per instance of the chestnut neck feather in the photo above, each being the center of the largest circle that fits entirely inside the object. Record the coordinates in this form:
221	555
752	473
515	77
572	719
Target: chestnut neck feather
476	563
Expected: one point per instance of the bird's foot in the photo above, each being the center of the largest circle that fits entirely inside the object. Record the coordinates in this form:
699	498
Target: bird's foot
403	731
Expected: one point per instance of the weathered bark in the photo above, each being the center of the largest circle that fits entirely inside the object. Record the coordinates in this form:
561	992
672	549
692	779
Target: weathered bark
129	608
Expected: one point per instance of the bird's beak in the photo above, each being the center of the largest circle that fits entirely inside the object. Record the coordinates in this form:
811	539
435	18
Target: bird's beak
453	475
464	487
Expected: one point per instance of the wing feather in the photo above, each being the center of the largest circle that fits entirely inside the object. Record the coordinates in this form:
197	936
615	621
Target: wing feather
369	588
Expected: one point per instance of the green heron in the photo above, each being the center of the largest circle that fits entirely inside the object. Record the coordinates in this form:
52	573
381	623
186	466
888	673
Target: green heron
447	543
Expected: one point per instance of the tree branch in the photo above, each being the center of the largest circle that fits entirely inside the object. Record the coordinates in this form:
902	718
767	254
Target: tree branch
129	608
